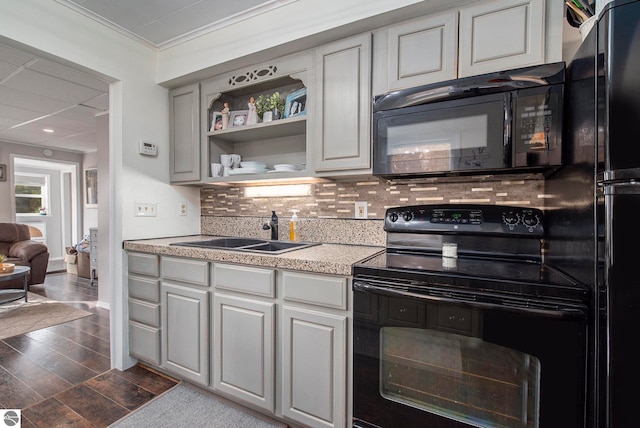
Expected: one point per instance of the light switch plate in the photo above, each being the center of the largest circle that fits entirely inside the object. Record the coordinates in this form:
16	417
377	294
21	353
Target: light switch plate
145	209
361	210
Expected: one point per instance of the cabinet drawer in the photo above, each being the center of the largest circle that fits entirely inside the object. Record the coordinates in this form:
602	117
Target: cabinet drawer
144	312
144	342
144	264
144	289
318	290
260	282
186	270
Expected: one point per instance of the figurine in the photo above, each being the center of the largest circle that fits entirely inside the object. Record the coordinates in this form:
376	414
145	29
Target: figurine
225	116
252	117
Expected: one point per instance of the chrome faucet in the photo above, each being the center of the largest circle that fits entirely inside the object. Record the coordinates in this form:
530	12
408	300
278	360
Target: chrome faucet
273	225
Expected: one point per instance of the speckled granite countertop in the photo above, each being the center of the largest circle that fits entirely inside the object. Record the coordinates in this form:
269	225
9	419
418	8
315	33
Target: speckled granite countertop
334	259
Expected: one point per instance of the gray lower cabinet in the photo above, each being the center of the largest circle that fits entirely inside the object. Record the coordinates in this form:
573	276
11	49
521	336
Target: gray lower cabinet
185	318
243	325
276	340
244	348
314	348
144	307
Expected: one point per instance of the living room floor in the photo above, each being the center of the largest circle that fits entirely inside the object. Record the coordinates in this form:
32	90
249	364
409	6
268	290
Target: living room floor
61	375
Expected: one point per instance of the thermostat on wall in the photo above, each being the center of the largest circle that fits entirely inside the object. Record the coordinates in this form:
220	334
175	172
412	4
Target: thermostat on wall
147	148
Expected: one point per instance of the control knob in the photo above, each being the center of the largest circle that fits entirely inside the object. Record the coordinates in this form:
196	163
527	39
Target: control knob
407	216
530	220
393	217
510	218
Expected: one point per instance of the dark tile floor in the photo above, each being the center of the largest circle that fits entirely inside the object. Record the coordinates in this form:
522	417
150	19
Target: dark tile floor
61	375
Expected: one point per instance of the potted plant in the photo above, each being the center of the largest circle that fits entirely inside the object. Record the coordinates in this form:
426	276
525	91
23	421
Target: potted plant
5	267
273	104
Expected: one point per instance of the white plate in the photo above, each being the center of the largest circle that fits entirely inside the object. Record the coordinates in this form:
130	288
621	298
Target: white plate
285	167
239	171
283	170
249	164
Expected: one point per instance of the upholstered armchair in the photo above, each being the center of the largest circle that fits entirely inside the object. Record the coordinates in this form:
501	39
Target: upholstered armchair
16	244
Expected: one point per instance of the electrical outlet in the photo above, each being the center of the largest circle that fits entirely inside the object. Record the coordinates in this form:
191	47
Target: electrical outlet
145	209
182	208
361	210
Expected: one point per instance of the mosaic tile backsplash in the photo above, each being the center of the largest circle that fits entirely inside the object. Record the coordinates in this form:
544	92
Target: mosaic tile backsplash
337	199
327	210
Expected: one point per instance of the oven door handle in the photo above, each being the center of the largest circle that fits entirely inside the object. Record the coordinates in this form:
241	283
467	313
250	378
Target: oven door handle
528	307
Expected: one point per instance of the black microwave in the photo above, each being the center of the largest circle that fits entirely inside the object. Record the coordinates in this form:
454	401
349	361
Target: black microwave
509	121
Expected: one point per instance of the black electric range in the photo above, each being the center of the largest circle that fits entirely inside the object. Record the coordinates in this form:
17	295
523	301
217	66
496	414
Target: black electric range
460	323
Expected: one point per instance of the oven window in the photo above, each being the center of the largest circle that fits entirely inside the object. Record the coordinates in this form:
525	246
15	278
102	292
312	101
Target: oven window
459	377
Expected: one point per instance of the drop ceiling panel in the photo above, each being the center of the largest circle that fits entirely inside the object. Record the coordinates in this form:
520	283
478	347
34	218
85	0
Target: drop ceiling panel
6	69
29	101
68	74
51	87
18	114
79	113
14	56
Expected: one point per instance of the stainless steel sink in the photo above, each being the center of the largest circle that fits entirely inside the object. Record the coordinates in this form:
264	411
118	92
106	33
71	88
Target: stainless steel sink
248	245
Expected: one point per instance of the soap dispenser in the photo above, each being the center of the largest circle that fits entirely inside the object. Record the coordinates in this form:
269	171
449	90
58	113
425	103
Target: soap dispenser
293	226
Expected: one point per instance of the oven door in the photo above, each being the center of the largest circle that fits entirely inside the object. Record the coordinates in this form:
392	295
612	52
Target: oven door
427	358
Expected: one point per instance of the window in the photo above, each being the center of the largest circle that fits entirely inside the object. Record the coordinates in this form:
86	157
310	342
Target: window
32	193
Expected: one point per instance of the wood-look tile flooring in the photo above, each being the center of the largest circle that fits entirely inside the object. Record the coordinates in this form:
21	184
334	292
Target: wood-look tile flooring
61	375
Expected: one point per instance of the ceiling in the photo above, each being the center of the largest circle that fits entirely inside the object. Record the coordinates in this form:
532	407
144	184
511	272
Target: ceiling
37	93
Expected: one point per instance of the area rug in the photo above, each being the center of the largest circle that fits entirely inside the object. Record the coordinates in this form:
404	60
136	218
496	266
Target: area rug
37	313
186	405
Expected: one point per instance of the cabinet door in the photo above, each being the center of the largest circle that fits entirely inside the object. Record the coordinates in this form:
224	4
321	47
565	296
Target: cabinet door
343	105
243	337
423	51
184	137
501	34
185	334
314	374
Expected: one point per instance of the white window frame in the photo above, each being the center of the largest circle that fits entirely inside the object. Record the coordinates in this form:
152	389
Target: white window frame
44	194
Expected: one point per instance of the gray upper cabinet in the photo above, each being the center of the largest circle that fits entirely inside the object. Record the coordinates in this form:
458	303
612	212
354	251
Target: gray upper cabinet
417	52
184	137
343	106
484	37
501	34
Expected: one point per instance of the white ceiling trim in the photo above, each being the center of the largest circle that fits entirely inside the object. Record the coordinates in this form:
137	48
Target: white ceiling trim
229	20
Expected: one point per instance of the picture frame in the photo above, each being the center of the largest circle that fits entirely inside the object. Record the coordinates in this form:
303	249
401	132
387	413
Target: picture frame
238	118
91	188
3	172
216	121
296	104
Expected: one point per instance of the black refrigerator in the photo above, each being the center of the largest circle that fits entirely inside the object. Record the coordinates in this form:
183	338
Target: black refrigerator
594	206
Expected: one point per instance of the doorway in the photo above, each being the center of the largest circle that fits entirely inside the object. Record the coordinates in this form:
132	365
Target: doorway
45	197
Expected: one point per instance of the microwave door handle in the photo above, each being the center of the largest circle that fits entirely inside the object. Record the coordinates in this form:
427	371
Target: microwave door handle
559	313
506	138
